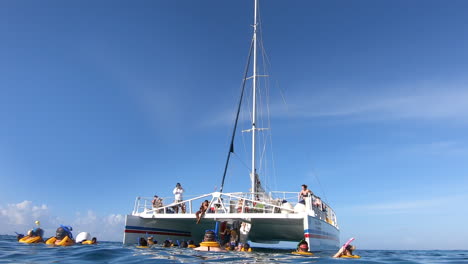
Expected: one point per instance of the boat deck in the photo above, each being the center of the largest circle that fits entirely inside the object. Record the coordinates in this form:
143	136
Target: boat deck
239	206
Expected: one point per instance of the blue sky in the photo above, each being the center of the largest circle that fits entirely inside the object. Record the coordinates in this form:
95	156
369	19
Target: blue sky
101	102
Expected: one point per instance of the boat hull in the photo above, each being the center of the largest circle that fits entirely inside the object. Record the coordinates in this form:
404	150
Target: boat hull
163	228
265	228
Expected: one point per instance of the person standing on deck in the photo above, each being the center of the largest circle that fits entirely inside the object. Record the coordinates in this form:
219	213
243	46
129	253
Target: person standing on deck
178	190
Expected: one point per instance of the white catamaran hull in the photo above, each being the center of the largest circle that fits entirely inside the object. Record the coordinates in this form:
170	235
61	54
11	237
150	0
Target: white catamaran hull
264	228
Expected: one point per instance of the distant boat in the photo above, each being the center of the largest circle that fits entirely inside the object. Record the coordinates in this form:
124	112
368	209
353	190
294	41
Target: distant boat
265	217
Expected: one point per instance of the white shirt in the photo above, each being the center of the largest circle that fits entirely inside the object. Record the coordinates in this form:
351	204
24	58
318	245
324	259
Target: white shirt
178	193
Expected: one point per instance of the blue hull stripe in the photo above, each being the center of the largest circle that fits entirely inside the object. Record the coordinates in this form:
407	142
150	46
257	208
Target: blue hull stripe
155	229
316	232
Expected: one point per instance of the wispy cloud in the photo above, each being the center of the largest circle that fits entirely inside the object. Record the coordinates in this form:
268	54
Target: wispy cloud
450	147
20	217
419	101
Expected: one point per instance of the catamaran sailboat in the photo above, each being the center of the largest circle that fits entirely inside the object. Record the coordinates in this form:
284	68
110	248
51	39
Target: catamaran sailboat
264	217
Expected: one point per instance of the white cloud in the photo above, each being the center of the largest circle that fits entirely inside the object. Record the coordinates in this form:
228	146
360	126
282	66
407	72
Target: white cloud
20	217
110	227
23	213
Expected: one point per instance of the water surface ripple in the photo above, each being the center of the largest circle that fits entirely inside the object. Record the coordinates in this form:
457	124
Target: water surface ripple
113	252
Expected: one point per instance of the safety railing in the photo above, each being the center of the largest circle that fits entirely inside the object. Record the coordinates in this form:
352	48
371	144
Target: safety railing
239	203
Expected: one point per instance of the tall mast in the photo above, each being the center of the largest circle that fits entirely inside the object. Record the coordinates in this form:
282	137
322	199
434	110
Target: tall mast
254	99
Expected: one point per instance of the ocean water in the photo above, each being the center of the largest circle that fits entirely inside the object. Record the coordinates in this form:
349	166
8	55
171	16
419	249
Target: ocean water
114	252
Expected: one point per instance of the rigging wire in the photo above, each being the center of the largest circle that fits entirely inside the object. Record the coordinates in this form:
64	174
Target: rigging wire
231	147
320	185
267	137
242	162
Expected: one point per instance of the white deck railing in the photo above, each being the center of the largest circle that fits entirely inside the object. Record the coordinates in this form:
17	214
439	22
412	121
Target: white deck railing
239	203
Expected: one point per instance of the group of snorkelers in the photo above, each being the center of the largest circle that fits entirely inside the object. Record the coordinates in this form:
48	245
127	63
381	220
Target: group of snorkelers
210	243
149	242
63	237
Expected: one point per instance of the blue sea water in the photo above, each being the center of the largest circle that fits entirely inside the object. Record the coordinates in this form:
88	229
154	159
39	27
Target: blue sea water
114	252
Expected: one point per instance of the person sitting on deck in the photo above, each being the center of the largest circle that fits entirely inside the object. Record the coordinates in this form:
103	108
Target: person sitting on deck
203	208
157	203
209	243
240	203
305	192
317	202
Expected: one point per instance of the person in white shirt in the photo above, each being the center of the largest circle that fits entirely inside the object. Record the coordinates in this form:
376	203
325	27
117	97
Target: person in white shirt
178	190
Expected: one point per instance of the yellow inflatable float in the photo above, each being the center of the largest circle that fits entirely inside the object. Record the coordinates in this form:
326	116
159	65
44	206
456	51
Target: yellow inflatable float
350	256
67	241
302	253
34	235
142	246
31	239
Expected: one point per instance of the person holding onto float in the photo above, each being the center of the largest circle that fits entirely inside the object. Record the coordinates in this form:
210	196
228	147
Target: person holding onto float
142	243
346	251
90	242
167	243
151	241
63	237
302	248
84	238
246	248
191	244
34	235
209	243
